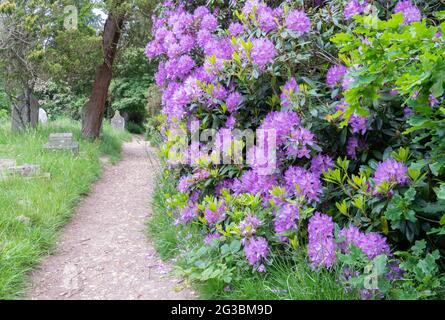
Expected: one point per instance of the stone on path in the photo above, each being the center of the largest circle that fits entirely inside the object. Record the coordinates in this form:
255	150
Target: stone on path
118	122
103	252
62	141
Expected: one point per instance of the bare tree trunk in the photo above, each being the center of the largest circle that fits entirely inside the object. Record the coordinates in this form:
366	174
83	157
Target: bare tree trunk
95	107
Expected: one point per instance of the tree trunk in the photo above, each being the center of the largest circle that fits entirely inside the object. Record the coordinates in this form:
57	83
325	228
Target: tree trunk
95	107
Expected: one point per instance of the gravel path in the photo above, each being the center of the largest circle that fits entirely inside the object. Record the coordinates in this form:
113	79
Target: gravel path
103	252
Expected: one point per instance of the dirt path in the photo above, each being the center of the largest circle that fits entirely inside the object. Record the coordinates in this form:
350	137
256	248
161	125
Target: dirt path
103	252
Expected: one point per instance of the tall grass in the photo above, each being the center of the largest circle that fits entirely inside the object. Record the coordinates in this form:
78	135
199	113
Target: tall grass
285	279
32	212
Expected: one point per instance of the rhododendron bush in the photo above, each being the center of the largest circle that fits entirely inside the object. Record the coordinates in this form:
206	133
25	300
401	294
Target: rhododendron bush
350	95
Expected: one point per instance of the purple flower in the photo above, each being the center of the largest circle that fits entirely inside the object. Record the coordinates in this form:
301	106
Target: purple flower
219	92
391	171
299	141
290	87
351	148
253	183
410	12
262	268
231	121
210	237
354	7
188	213
335	75
266	19
200	12
263	52
321	246
298	21
301	182
214	215
358	124
433	100
209	22
236	28
286	218
183	184
248	226
321	163
372	244
184	65
233	101
282	122
256	249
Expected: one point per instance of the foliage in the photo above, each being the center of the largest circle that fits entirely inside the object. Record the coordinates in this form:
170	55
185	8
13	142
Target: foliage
250	66
46	204
128	89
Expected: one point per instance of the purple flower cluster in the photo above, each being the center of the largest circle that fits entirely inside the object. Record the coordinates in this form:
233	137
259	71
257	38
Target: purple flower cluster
410	12
263	52
214	216
236	28
358	124
354	7
321	163
372	244
321	246
298	142
188	213
249	225
233	101
335	75
256	249
298	21
391	171
252	182
286	218
210	237
282	122
300	182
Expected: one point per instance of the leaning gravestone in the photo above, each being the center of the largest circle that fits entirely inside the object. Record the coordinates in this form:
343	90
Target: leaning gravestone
62	141
43	116
24	114
118	122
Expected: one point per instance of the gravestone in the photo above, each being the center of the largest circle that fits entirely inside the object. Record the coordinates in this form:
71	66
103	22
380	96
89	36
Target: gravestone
118	122
8	168
5	164
23	115
62	141
43	116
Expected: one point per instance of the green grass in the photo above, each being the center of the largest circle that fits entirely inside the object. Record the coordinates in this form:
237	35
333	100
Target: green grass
290	279
47	203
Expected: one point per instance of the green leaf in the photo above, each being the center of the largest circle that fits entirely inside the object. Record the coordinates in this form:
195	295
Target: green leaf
441	191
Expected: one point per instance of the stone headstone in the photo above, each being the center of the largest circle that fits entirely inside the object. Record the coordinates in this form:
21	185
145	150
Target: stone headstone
43	116
5	164
118	122
62	141
24	115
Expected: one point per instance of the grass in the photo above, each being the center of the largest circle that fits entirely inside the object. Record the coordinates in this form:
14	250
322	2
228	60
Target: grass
285	279
46	204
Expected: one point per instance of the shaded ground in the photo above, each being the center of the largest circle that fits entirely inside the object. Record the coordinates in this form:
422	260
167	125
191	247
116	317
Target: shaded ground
103	252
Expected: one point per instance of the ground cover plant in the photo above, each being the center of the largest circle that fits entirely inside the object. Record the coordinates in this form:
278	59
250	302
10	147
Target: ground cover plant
32	212
352	94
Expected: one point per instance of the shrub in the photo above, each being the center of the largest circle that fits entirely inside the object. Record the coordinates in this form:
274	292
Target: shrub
358	182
